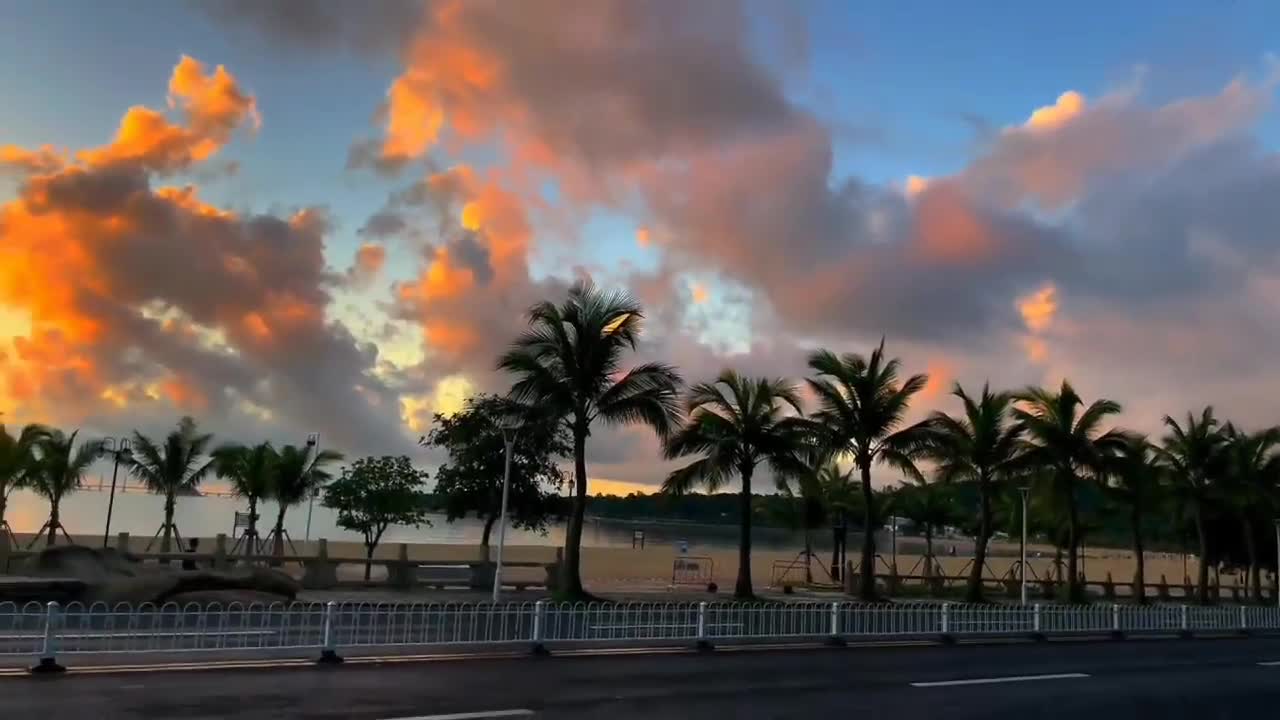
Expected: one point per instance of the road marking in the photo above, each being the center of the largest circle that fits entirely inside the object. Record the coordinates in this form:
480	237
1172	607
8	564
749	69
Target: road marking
990	681
474	715
1272	663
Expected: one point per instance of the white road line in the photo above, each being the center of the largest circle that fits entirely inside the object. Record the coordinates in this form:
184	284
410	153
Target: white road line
991	681
474	715
1272	663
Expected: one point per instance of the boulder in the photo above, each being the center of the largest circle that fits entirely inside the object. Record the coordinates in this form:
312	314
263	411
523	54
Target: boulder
113	577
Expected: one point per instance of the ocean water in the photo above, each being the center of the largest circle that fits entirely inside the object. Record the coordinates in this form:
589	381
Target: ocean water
140	514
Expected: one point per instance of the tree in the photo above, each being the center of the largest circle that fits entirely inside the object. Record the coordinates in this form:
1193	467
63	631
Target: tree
60	466
568	368
300	473
376	493
1195	456
1251	472
860	416
17	461
981	447
930	506
735	424
251	471
177	465
1069	445
471	481
1135	476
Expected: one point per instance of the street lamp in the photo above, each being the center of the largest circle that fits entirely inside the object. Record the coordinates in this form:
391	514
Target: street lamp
1022	569
509	431
313	449
119	449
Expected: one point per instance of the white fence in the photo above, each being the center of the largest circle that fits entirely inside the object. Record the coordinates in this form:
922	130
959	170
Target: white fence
51	631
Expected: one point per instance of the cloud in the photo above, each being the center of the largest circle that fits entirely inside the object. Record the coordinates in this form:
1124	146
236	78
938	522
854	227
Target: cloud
147	298
321	25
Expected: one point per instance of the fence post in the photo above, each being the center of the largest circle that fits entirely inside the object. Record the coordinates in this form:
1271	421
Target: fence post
1244	621
329	649
1186	626
1116	632
834	638
539	629
1036	633
49	648
704	644
946	637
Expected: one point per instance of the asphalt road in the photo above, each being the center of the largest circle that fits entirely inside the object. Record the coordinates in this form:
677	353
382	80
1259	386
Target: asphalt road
1166	679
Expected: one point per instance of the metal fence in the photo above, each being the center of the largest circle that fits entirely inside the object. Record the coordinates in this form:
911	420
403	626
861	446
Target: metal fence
50	631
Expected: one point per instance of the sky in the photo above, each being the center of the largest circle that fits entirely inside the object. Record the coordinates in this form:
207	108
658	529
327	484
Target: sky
329	217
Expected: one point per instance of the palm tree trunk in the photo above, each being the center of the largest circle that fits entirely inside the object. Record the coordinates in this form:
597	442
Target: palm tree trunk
54	521
928	542
571	573
974	593
1139	571
867	580
278	550
1255	571
165	540
1202	569
368	561
484	536
743	590
837	523
250	547
1075	592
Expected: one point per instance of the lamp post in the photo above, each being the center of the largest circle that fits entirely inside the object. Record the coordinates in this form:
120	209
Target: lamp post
1022	568
313	449
117	448
509	432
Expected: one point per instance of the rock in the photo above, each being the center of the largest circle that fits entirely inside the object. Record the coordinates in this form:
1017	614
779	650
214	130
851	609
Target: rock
112	577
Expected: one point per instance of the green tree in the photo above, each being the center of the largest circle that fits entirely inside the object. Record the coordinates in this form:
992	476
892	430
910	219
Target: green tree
251	471
568	365
930	506
735	424
471	481
300	473
1069	445
861	406
172	467
376	493
1135	477
17	461
982	447
60	467
1251	473
1195	455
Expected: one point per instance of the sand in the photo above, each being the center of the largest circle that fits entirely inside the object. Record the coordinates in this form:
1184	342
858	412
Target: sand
612	569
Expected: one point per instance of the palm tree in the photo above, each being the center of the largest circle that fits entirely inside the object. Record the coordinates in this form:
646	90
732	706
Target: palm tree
860	416
568	368
735	424
810	509
1068	444
842	499
17	462
980	447
176	465
60	466
1195	456
1135	476
251	471
931	507
1252	470
299	473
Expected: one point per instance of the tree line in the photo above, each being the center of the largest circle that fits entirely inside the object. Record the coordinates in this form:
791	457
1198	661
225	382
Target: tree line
568	373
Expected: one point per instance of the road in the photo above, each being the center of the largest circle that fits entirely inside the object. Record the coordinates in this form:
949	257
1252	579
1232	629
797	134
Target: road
1166	679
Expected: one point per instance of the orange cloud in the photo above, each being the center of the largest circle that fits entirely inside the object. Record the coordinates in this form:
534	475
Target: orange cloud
1039	308
941	376
1069	106
643	238
699	293
915	185
948	230
213	107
